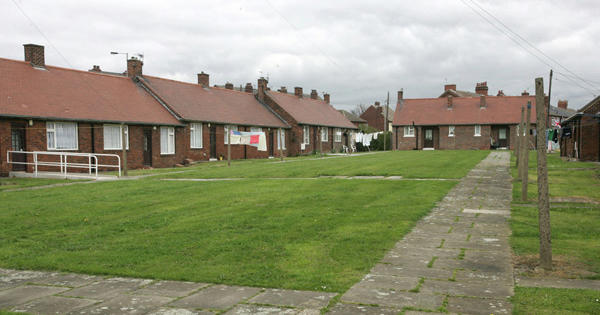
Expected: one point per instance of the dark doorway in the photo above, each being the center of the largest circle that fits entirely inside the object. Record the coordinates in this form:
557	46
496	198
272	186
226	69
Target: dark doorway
18	144
271	142
213	141
428	138
148	147
503	137
314	140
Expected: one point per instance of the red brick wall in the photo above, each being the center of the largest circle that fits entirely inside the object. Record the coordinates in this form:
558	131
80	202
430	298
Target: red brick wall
374	117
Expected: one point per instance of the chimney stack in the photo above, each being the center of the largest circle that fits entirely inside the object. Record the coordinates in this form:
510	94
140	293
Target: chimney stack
95	68
500	93
262	88
314	95
481	88
283	89
449	87
377	104
249	88
203	79
34	54
134	67
400	95
298	91
449	101
229	86
326	98
482	101
525	93
563	104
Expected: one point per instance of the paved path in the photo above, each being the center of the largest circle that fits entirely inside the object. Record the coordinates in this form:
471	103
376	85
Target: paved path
64	293
457	259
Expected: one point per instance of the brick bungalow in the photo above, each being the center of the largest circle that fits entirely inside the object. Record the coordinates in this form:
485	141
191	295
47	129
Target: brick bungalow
315	124
375	117
208	111
581	133
48	108
357	121
459	122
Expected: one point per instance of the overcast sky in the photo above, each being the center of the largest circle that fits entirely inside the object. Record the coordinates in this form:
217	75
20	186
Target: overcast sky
355	50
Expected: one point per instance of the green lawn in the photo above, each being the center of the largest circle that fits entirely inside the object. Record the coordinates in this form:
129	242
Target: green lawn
300	234
410	164
555	301
15	183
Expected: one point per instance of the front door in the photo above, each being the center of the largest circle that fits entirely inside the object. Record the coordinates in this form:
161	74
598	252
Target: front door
428	134
271	142
503	137
213	142
148	147
18	144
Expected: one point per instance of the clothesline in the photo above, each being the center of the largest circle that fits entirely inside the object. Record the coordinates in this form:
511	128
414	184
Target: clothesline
366	138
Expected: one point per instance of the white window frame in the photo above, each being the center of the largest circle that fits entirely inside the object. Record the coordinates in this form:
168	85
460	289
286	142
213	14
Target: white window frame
119	147
170	144
195	133
51	134
282	132
324	134
337	134
409	131
451	130
477	131
306	135
226	131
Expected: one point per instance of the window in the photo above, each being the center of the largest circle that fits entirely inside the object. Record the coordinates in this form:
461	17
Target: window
324	134
196	135
450	131
226	132
280	139
255	129
409	131
338	135
61	136
306	135
502	134
167	140
113	137
477	130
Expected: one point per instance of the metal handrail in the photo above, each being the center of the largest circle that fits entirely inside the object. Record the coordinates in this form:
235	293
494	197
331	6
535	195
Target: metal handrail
64	164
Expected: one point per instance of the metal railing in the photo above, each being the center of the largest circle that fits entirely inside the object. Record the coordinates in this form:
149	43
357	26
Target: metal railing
63	163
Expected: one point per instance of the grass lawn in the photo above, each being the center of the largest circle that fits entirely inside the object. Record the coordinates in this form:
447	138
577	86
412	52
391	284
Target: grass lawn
320	234
555	301
410	164
7	183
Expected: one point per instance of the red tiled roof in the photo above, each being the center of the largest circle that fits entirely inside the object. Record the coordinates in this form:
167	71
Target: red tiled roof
196	103
59	93
310	111
465	111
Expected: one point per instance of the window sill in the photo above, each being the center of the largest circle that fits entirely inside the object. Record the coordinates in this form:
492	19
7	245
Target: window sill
113	149
63	149
163	154
196	148
477	136
409	136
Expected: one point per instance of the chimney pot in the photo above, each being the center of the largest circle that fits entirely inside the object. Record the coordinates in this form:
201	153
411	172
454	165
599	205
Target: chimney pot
134	67
481	88
482	101
563	104
34	54
203	79
95	68
449	101
249	88
283	89
400	95
229	86
262	88
326	97
500	93
314	95
377	104
298	91
449	87
525	93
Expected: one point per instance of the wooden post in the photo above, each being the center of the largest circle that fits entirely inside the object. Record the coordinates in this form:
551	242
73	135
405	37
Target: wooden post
519	136
124	149
280	144
525	156
385	125
229	145
321	140
542	180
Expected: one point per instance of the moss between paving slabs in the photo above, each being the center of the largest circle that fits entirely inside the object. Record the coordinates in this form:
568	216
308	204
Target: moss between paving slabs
409	164
299	234
555	301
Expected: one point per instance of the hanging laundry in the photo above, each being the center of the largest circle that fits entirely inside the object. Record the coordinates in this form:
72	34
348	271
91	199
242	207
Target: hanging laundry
255	139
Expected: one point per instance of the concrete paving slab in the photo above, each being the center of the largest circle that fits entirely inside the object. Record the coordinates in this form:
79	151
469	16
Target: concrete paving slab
294	298
558	283
244	309
65	279
483	289
54	305
170	288
217	297
349	309
473	306
19	295
126	304
178	311
394	299
107	288
13	278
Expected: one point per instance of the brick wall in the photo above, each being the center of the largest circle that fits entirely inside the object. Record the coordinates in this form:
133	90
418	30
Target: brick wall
374	117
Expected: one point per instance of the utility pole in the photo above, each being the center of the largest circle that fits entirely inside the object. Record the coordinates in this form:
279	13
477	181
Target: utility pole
280	144
542	171
124	149
549	97
385	127
519	136
229	145
525	155
321	140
